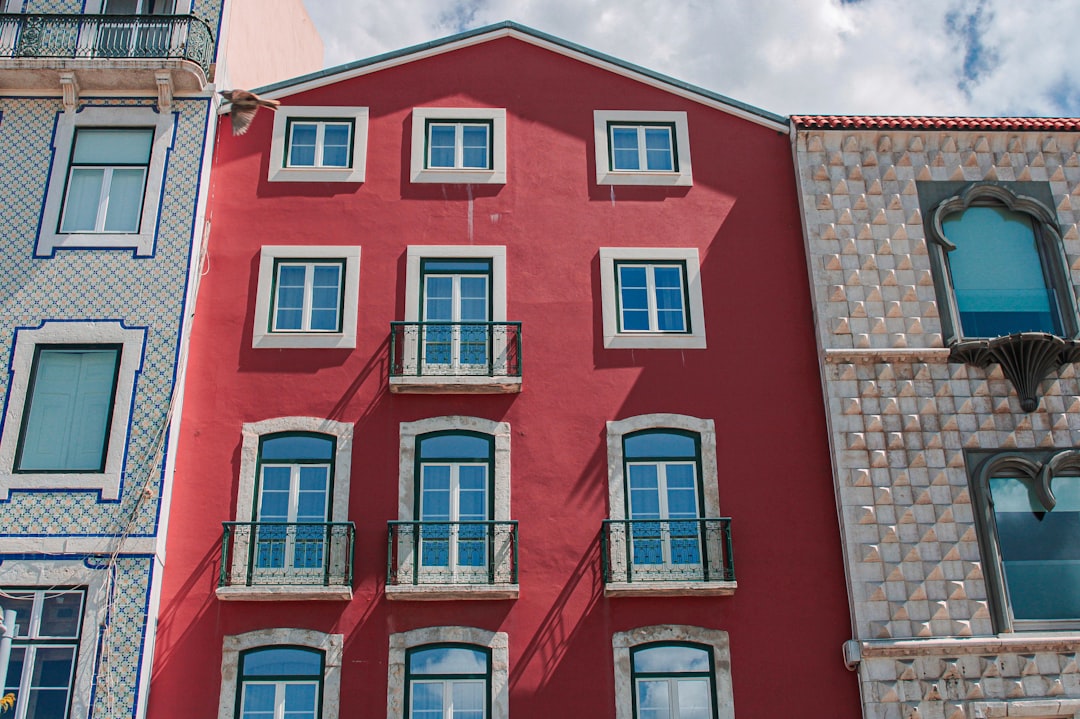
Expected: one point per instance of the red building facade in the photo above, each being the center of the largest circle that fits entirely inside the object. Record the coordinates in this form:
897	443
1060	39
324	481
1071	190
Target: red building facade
502	367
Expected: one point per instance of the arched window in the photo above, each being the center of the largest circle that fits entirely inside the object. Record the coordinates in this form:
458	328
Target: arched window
1000	266
673	681
280	682
448	681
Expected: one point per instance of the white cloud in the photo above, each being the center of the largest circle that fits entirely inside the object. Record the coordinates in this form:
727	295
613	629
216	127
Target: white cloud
786	56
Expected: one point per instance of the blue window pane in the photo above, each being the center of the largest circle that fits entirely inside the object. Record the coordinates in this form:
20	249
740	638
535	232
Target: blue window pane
302	141
997	274
297	446
300	700
281	662
660	444
455	446
658	149
671	659
259	700
1040	549
457	265
624	148
336	145
475	146
441	145
427	700
448	660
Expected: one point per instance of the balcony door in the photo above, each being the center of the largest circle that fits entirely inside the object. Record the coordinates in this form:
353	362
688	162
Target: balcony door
455	311
125	38
455	504
292	504
664	503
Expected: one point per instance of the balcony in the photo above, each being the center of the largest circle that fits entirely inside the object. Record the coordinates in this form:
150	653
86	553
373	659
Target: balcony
452	560
286	560
455	357
667	557
134	53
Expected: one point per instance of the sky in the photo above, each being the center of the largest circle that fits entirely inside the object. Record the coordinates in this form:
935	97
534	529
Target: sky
880	57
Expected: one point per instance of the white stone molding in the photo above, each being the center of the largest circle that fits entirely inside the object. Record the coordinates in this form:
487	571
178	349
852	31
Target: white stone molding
496	175
278	172
605	175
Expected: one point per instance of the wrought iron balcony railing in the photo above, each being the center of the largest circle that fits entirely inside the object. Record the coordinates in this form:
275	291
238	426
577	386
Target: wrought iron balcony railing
667	550
75	36
448	553
298	554
455	349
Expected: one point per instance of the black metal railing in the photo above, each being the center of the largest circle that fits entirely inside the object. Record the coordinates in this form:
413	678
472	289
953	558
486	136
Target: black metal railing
74	36
455	349
434	553
287	553
667	550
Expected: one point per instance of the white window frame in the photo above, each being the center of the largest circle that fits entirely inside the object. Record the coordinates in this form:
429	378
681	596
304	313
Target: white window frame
49	236
132	341
622	642
279	172
309	291
332	646
421	173
262	337
607	175
407	485
36	574
694	311
401	642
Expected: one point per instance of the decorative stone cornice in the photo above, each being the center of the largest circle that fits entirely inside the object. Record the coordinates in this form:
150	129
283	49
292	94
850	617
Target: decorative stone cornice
928	355
1026	358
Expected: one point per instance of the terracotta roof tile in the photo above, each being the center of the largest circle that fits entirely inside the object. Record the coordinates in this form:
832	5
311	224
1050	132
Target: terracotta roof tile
894	122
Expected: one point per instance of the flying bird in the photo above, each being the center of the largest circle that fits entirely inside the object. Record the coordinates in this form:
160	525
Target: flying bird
244	106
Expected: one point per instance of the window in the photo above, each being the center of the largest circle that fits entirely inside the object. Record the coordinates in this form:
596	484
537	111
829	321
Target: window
70	402
642	148
280	683
673	681
318	144
459	145
1028	506
68	408
106	179
295	486
665	534
674	672
448	673
291	538
662	488
45	650
307	297
998	261
454	532
140	7
651	298
456	334
281	674
448	682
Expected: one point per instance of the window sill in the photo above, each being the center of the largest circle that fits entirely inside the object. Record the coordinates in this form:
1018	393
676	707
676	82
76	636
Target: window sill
303	340
670	589
441	592
658	179
277	593
455	385
459	177
316	174
655	341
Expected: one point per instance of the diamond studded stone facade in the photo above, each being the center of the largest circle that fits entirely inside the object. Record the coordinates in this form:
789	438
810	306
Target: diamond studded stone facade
904	419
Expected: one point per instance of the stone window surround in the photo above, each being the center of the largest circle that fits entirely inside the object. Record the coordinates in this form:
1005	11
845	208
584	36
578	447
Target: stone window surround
133	341
419	173
32	574
262	337
497	642
277	172
49	237
330	644
695	311
622	642
683	177
249	461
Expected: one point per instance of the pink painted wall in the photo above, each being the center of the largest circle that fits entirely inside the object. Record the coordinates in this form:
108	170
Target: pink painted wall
758	380
267	41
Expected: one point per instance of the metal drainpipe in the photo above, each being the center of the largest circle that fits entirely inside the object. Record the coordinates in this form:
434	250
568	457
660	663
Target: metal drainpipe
8	629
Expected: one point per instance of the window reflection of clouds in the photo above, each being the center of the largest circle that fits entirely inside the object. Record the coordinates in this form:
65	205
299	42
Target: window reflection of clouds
282	662
448	660
454	446
668	659
660	444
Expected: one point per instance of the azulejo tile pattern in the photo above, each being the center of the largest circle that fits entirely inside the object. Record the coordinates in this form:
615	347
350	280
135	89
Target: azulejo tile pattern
901	415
